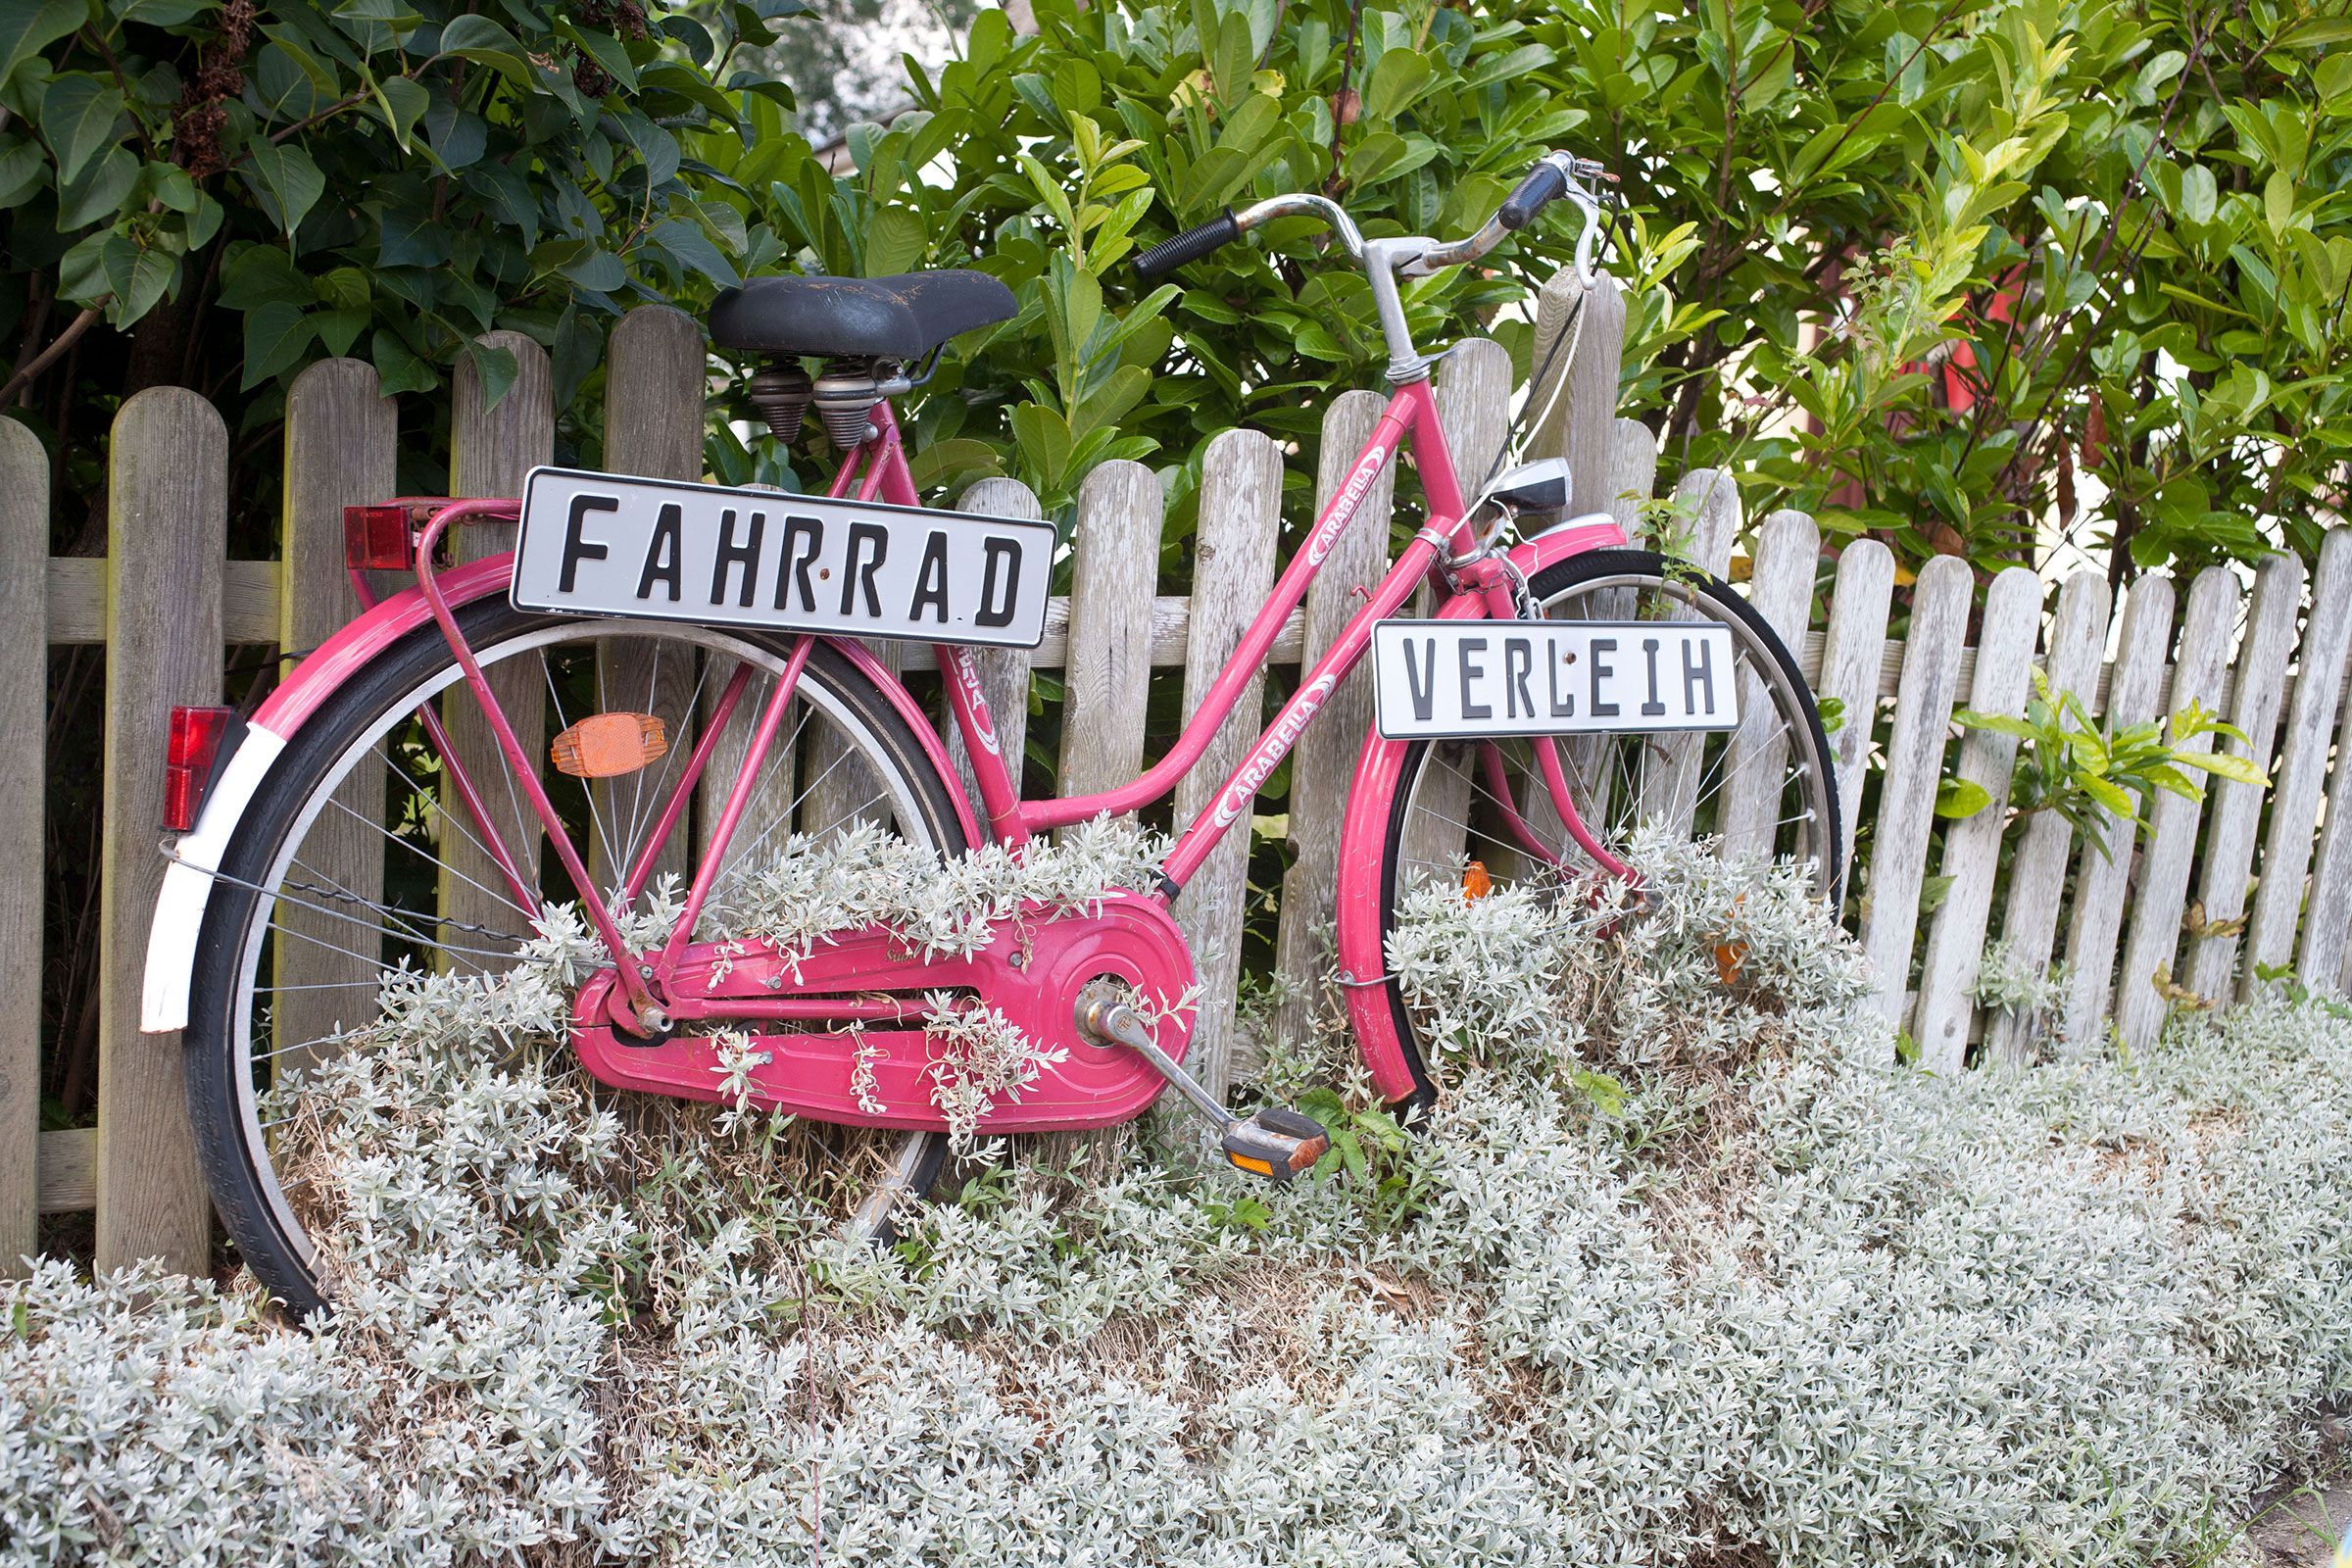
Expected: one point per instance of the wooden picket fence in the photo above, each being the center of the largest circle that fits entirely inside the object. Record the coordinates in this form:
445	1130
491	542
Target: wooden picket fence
166	603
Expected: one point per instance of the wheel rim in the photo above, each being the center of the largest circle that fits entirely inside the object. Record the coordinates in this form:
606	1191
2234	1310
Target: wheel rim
829	768
1762	789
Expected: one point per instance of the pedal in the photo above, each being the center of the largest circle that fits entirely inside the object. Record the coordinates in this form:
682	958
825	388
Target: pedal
1275	1144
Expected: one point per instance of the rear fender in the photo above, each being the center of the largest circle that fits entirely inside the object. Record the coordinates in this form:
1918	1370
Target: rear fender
188	881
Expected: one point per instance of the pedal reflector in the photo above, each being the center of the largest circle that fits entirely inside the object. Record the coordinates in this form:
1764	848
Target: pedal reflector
1276	1143
1476	882
608	744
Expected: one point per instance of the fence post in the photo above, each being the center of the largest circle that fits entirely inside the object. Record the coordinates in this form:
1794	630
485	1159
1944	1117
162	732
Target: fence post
2303	766
168	530
654	383
1326	756
23	719
1106	664
490	450
1852	649
1003	671
1233	571
1580	423
341	436
1923	711
1754	764
1972	846
2038	875
1672	771
2099	888
2161	896
2257	692
1633	472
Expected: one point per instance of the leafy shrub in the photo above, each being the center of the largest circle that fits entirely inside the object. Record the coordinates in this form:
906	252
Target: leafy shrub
1782	1300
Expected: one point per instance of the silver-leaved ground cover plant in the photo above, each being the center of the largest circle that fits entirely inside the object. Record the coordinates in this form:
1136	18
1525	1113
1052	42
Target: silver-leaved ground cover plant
1687	1269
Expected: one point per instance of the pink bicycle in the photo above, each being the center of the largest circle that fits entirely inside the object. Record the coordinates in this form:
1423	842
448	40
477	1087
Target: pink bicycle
496	738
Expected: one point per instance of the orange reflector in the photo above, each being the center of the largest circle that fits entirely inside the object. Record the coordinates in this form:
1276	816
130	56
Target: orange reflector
1476	884
1248	1164
1728	956
607	745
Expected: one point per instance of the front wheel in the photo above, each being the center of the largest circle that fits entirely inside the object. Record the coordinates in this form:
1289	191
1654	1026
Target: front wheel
1763	791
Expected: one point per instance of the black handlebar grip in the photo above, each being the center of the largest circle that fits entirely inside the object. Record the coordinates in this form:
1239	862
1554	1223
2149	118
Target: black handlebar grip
1543	183
1189	246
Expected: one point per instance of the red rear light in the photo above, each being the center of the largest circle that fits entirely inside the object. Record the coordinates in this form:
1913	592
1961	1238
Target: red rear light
378	538
188	759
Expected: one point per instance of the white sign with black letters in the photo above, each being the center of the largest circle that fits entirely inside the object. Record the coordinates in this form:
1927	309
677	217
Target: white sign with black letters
1438	679
602	544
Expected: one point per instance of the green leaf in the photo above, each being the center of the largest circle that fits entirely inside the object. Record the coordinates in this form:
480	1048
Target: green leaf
2001	724
690	245
497	368
79	116
477	38
137	279
2223	765
163	13
396	368
1959	797
275	338
28	26
596	269
262	274
286	180
404	102
24	171
895	240
99	194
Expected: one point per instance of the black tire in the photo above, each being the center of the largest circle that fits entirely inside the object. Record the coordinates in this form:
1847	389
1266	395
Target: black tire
1716	599
235	1170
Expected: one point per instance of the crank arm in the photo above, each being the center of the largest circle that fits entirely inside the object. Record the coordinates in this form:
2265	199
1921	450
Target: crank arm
1274	1143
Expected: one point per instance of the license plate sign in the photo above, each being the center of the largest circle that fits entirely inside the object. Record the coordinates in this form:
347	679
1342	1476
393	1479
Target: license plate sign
1450	679
602	544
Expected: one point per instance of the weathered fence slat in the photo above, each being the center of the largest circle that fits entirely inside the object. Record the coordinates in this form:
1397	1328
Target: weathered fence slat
1580	423
1633	472
2161	893
1326	756
2258	687
167	532
1114	566
1972	846
1003	671
2038	874
1673	768
2106	865
1233	571
24	775
1848	674
2302	767
342	439
2321	957
491	449
653	426
1755	760
1923	711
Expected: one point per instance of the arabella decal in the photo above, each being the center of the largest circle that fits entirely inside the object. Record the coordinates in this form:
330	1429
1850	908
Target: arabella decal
1269	754
984	724
1351	496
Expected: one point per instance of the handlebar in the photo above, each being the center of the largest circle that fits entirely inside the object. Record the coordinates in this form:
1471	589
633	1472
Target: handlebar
1555	175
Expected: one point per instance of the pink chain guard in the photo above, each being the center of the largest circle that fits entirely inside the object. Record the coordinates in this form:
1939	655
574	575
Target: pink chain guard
1032	972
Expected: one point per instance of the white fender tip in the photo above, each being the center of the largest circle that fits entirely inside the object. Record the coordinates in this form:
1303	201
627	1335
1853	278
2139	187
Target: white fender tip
188	884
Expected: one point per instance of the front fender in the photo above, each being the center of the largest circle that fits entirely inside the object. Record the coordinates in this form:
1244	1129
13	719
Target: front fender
1364	832
188	881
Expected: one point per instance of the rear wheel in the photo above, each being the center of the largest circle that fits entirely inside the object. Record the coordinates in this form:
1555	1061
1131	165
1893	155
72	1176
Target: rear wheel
1763	791
356	855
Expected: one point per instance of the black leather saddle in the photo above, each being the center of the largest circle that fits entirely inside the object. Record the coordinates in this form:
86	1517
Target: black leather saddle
901	317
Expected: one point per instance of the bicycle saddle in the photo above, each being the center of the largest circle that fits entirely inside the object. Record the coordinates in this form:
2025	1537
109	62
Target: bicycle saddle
901	317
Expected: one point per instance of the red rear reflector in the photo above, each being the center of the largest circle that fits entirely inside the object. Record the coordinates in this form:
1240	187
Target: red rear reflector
608	744
378	538
188	759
